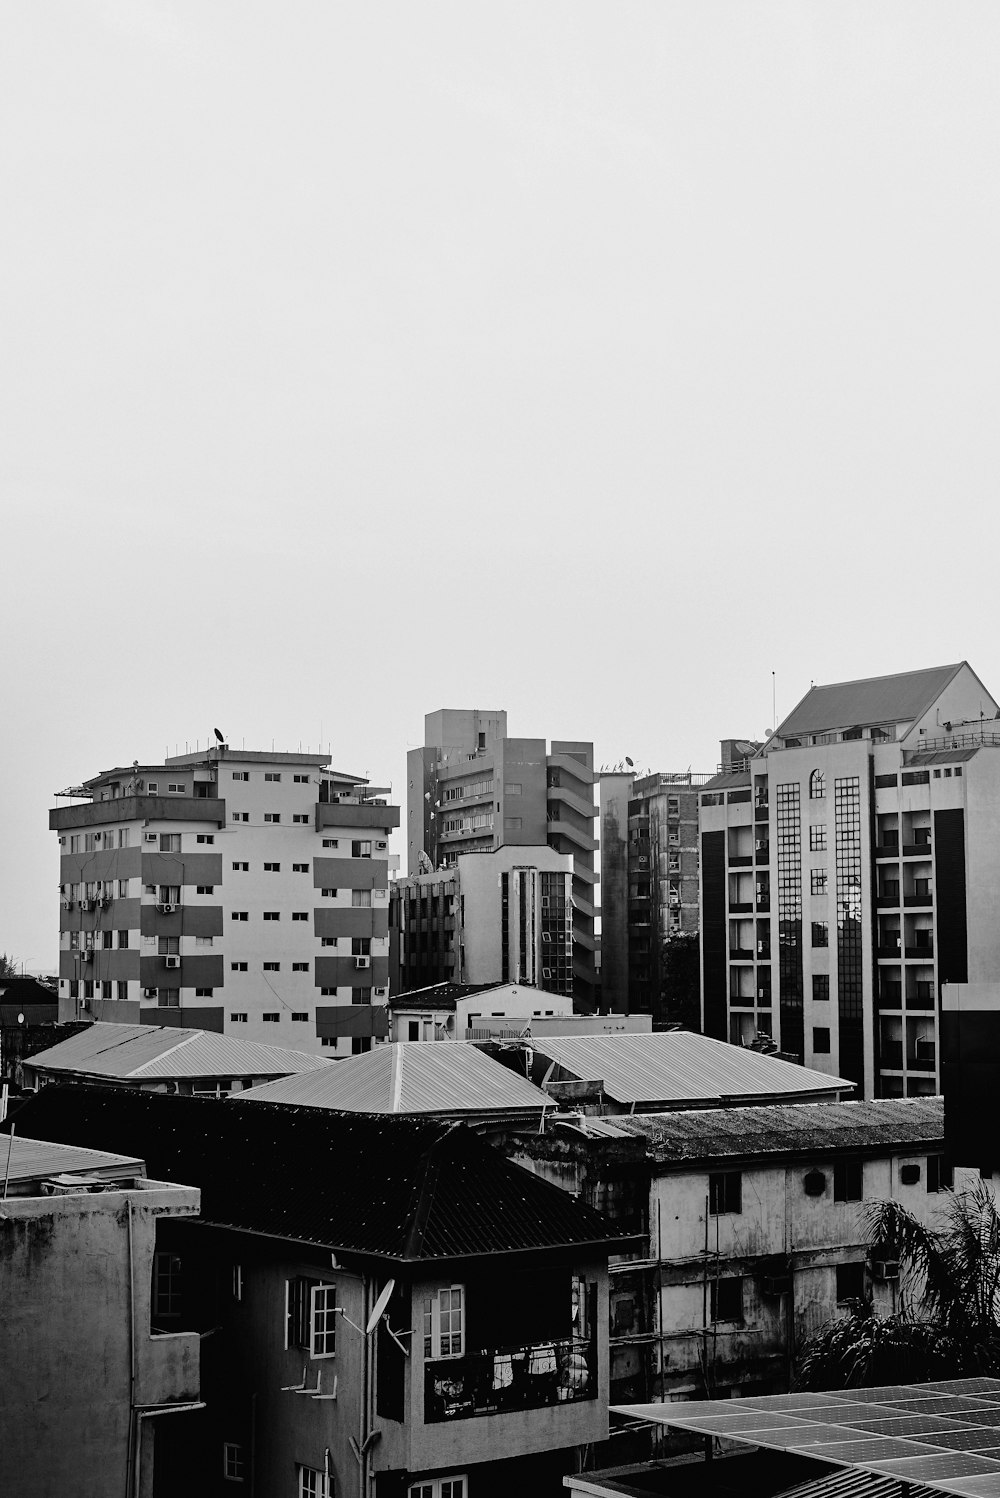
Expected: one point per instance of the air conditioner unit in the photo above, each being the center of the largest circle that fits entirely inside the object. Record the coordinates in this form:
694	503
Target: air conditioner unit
777	1284
87	954
166	909
149	993
379	993
68	904
151	837
86	904
760	844
362	962
381	845
884	1270
171	962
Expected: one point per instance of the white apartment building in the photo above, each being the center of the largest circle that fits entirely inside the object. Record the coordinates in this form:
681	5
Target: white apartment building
229	890
849	869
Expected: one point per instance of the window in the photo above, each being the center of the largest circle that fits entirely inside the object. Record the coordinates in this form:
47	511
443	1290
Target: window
300	967
169	894
241	774
74	988
323	1321
300	779
170	842
168	946
438	1487
300	1015
272	915
241	816
272	868
939	1175
310	1322
817	881
240	915
444	1323
272	816
272	967
329	993
361	946
203	993
821	1042
205	837
725	1192
166	1285
848	1181
241	868
105	990
821	933
300	868
314	1484
272	775
821	986
727	1299
331	842
168	998
175	788
237	1281
328	941
238	967
205	889
328	894
122	992
271	1019
238	1019
152	787
850	1282
361	898
232	1462
123	889
123	837
361	850
88	988
300	915
107	939
301	817
817	785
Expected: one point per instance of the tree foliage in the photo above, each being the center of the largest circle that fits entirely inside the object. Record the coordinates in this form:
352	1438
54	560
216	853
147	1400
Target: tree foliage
680	981
8	966
946	1322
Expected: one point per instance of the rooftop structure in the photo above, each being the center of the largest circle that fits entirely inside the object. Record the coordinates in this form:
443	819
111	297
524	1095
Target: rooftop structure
155	1056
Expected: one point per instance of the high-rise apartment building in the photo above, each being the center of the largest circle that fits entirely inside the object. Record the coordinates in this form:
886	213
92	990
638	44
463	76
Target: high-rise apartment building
231	891
649	879
472	789
849	870
500	917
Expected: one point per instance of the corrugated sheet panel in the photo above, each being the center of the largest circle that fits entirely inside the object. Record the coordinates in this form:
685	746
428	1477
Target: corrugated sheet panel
110	1050
680	1067
406	1189
714	1133
877	699
939	757
427	1076
727	780
30	1158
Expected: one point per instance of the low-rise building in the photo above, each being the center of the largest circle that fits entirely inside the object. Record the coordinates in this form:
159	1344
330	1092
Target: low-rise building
94	1372
165	1059
751	1229
389	1305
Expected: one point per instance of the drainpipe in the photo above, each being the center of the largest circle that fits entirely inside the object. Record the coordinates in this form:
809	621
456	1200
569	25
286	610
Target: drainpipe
363	1443
131	1463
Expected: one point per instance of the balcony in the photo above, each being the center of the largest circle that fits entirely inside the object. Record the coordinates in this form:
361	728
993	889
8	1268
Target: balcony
917	850
924	952
740	860
510	1378
741	907
923	898
211	809
356	814
887	850
740	954
887	901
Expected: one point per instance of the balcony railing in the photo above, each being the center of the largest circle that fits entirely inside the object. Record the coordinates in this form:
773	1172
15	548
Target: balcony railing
510	1378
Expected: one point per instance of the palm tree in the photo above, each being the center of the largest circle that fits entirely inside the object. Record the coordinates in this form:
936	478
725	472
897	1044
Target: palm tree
947	1322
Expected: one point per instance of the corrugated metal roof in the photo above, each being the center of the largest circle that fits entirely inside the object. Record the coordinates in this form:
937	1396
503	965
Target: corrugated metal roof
410	1190
851	1484
877	699
31	1158
726	780
163	1051
680	1067
940	756
715	1133
416	1076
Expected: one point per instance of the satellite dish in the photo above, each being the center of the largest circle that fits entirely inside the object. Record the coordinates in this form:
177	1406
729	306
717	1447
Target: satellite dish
218	735
378	1309
629	763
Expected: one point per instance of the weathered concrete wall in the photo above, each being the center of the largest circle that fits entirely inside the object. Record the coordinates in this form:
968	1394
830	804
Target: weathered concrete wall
66	1333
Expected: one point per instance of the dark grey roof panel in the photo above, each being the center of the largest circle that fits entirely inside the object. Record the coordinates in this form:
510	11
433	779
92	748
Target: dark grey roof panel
879	699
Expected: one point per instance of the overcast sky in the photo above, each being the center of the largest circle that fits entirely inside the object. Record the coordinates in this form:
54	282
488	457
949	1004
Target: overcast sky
588	360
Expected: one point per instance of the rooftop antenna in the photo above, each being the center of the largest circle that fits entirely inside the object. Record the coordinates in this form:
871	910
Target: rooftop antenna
774	700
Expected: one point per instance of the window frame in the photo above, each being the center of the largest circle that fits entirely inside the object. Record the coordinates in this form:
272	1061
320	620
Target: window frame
233	1462
734	1289
723	1187
433	1313
845	1183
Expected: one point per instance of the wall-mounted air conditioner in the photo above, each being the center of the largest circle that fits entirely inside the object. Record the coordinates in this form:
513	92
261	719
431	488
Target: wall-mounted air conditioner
884	1270
171	962
362	962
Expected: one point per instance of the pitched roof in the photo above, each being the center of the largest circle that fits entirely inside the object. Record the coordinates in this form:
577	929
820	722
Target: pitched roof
876	699
406	1190
29	1159
727	780
717	1133
136	1052
416	1076
679	1067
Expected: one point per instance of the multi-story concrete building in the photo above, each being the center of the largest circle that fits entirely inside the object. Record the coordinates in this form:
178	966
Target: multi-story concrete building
472	789
387	1305
649	879
850	869
751	1231
95	1373
502	916
228	890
